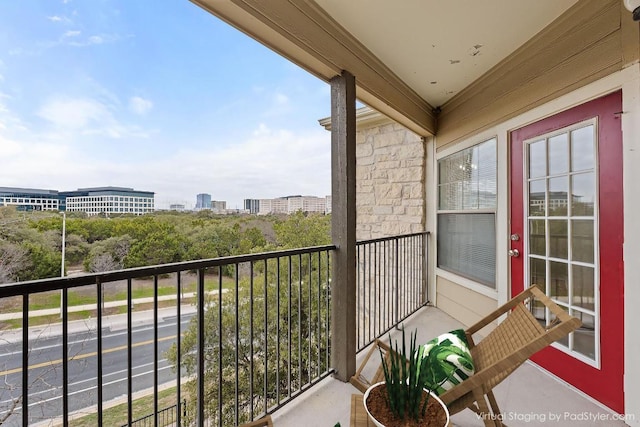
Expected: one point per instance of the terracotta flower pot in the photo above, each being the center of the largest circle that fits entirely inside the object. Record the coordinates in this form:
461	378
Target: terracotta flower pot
427	422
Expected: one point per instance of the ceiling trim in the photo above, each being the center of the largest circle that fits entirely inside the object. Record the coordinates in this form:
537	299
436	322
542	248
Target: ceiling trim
559	37
304	33
366	117
581	46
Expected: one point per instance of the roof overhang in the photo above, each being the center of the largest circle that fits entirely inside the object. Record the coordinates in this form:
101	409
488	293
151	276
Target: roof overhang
409	58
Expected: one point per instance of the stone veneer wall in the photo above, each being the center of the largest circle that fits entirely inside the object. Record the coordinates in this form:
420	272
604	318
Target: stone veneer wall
390	201
390	179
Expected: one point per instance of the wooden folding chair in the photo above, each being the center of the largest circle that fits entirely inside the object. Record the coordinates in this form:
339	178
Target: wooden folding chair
262	422
497	355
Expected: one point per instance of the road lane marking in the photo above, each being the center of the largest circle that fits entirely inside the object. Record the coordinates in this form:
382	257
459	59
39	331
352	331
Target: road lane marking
92	338
51	399
77	383
83	356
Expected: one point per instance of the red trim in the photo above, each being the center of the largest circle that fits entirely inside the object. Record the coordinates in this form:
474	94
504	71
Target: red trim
604	384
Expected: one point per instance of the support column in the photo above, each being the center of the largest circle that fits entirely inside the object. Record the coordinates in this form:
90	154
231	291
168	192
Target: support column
343	225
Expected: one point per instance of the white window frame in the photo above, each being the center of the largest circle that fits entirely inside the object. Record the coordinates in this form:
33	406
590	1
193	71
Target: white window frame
596	233
465	281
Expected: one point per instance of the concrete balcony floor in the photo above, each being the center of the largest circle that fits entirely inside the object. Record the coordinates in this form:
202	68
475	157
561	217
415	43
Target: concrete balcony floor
529	396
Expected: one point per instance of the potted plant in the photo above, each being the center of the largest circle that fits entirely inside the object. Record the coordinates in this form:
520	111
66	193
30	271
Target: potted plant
402	399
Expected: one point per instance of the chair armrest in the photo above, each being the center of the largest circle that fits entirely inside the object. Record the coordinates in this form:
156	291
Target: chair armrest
495	315
358	380
262	422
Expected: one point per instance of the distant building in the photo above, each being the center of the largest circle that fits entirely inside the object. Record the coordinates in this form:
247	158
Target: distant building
177	207
328	201
265	206
292	204
280	205
109	200
313	204
236	211
218	206
252	205
31	199
203	201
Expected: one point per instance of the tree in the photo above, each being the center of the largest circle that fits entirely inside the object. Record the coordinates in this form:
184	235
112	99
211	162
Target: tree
76	249
300	230
45	262
251	240
13	259
211	240
276	360
91	229
108	255
156	248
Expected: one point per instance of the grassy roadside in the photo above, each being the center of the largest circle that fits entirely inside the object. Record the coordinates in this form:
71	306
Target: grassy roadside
51	299
117	415
76	297
87	314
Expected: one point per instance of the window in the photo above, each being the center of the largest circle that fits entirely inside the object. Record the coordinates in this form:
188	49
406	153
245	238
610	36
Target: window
467	195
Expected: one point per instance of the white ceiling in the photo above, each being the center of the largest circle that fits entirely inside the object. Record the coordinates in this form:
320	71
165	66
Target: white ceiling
438	47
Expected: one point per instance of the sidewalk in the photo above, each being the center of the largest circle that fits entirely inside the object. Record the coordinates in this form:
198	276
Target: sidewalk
88	307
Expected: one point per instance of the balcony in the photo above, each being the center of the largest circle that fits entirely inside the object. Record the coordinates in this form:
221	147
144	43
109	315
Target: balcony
251	334
528	397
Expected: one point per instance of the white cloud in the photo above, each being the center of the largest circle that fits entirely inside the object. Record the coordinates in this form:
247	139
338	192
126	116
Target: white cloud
87	116
9	148
38	164
9	120
93	40
281	99
280	104
70	33
270	163
140	105
59	18
3	108
73	113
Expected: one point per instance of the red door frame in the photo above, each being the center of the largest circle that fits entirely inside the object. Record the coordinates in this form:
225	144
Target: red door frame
607	383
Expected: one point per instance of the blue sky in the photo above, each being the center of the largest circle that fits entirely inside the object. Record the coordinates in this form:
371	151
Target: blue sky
158	96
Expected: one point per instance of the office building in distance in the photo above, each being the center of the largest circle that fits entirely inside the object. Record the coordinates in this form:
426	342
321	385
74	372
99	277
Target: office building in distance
203	201
292	204
93	201
219	206
109	200
252	205
30	199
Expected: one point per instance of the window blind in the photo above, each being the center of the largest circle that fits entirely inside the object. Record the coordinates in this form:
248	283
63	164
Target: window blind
467	245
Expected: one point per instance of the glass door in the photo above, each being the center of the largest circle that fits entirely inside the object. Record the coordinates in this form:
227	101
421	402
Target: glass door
562	229
566	225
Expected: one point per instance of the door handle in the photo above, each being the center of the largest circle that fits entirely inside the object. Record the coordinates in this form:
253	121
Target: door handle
514	253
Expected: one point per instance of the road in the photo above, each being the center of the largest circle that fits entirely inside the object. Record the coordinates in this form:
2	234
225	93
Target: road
45	367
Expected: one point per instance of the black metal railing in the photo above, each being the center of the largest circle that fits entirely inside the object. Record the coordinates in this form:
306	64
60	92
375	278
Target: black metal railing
237	337
391	283
165	417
